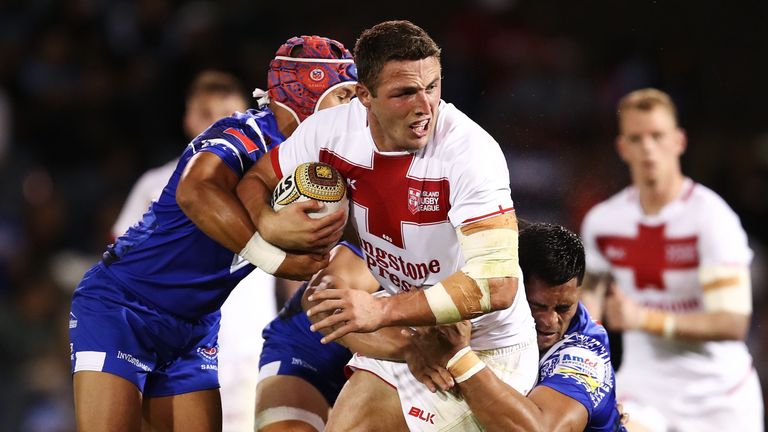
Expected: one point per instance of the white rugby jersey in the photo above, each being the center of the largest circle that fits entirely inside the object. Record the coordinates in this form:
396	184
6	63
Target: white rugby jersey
655	260
406	206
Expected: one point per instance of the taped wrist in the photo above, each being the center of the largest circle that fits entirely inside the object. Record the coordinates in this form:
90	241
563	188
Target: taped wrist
658	323
263	254
464	364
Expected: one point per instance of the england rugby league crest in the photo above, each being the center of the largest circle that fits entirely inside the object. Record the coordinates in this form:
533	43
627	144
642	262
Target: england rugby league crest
414	198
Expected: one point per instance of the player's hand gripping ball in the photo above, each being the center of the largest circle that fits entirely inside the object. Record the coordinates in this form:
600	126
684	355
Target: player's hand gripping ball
312	180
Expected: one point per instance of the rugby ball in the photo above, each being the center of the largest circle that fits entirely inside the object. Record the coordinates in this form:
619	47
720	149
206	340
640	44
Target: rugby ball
312	180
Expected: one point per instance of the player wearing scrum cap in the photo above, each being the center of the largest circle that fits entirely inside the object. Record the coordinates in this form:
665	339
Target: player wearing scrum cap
144	320
676	261
431	203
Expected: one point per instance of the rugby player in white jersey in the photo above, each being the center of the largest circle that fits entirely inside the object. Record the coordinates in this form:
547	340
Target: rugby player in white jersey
679	286
431	203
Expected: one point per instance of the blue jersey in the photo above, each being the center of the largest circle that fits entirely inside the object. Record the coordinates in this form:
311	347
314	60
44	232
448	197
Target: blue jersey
165	258
579	366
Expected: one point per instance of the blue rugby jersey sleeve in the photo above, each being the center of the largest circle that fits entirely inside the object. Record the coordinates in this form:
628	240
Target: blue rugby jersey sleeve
571	389
579	373
240	140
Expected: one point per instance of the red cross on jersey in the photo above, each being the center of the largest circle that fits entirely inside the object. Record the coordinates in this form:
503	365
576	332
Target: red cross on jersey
409	200
650	254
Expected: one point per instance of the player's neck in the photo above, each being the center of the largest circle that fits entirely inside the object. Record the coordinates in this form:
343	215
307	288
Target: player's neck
286	122
657	193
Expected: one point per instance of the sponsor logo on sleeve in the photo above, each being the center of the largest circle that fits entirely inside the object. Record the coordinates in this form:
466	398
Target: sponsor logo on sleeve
584	360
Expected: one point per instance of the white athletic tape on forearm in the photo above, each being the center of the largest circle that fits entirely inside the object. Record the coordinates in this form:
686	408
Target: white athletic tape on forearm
285	413
726	289
485	300
490	253
263	254
441	304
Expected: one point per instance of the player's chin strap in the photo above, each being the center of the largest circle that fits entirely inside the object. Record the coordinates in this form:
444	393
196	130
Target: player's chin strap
262	97
285	413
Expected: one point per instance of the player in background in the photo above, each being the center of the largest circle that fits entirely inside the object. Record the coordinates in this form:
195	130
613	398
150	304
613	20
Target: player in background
144	321
680	287
211	96
576	387
431	203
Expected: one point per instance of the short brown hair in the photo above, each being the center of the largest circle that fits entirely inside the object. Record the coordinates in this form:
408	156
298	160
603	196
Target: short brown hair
390	40
646	100
215	82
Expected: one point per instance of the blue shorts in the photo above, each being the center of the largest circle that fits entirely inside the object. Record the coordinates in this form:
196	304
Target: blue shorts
112	330
290	348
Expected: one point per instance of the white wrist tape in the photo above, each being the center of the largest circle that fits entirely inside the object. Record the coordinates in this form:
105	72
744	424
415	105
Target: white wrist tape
464	365
263	254
459	354
441	304
669	327
470	372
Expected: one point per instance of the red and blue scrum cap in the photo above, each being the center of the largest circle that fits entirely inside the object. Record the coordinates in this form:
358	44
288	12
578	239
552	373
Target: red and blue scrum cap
299	83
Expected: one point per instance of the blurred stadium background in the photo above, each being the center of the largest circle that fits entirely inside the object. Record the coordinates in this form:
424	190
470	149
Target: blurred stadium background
92	94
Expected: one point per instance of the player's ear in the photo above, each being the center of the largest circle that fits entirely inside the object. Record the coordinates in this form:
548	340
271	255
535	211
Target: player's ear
683	137
363	94
619	142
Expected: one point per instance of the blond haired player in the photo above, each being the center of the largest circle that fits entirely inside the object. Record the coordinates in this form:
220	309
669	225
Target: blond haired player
431	203
682	295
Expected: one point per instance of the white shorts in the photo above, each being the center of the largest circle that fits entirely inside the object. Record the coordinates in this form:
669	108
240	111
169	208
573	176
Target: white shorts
516	365
739	409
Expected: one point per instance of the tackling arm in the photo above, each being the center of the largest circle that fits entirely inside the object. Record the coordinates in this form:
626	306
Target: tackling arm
348	271
488	282
499	407
290	228
496	405
206	194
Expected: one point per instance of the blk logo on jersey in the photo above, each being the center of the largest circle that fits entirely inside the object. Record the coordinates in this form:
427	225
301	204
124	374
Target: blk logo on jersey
422	415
